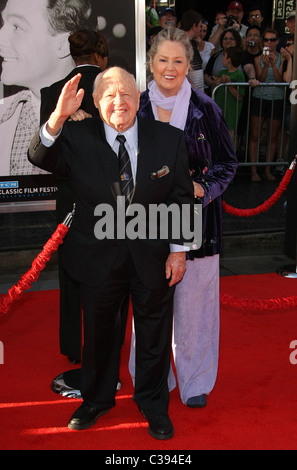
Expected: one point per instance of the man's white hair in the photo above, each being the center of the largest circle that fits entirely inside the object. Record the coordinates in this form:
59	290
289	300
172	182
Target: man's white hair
101	75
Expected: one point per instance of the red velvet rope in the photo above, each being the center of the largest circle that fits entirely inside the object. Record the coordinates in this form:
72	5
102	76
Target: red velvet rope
267	204
37	266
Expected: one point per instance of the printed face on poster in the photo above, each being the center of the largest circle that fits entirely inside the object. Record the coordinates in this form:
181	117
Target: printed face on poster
34	53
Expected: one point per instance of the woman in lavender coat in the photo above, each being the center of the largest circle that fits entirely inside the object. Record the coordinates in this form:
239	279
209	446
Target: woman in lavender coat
212	164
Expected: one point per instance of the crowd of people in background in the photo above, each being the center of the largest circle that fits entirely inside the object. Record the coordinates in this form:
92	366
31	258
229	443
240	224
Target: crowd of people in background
252	53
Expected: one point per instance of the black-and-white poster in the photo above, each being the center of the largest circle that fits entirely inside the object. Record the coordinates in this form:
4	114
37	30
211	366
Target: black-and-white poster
34	50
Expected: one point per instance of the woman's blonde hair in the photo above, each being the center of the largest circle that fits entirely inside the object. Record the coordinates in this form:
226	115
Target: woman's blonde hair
175	35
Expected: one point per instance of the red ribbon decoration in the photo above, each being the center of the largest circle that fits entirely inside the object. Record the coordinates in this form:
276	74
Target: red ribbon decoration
267	204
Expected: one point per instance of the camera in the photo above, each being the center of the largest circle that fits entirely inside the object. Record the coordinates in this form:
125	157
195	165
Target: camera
231	20
251	44
265	50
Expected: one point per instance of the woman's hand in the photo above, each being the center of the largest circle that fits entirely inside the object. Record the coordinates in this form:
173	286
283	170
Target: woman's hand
272	58
266	59
198	190
80	115
285	54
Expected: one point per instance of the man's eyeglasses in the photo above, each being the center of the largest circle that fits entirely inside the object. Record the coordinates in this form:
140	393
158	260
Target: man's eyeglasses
269	39
289	44
255	16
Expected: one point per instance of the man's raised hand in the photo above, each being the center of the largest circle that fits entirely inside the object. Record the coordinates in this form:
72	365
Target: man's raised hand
68	103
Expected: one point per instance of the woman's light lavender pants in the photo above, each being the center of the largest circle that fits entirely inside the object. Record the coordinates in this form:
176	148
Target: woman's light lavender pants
196	329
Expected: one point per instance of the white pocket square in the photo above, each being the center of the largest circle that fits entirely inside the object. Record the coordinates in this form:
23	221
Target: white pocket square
160	173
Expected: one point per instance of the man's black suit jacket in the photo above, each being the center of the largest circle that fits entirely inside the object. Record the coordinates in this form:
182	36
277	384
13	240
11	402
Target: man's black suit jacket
85	156
50	95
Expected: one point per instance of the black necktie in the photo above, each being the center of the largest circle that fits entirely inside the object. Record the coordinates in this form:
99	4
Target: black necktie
126	177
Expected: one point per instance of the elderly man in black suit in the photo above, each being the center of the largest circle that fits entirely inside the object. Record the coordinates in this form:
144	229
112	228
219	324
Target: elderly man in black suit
108	267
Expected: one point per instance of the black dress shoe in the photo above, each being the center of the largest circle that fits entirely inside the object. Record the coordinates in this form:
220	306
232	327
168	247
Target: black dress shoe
85	416
160	427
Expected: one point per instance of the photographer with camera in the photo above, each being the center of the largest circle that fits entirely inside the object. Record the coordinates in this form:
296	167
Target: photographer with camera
232	19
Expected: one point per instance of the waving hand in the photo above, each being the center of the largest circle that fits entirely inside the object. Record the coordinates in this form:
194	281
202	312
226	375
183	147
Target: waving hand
68	103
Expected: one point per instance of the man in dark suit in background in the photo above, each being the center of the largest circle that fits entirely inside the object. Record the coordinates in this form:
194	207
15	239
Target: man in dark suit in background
89	51
155	172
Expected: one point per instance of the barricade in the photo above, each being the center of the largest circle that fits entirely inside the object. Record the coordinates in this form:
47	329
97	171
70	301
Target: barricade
242	137
242	131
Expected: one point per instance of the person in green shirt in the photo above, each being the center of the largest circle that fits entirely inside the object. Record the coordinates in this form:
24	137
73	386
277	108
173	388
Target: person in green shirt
230	98
152	17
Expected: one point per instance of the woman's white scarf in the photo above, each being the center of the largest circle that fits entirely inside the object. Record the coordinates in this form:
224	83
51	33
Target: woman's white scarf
178	104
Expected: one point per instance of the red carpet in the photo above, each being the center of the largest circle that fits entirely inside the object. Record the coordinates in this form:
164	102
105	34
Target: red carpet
253	406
